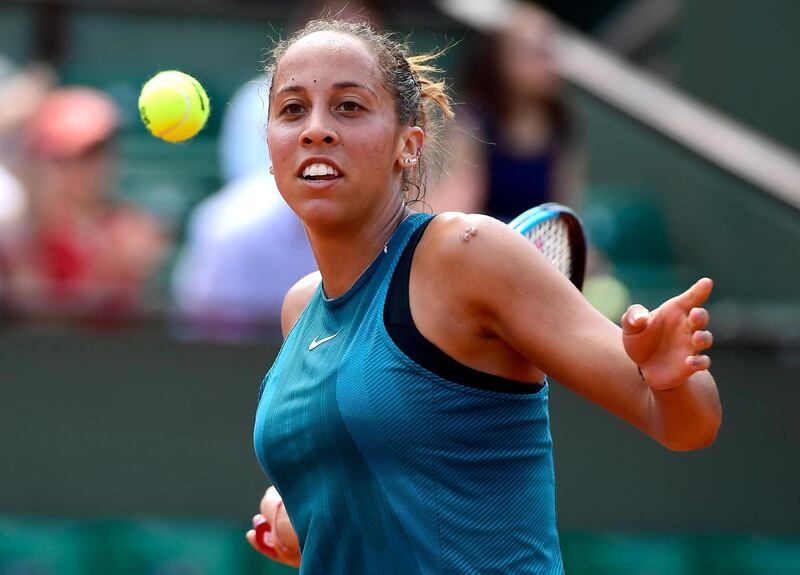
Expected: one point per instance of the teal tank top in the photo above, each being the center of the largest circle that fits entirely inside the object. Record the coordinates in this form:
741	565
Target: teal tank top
386	468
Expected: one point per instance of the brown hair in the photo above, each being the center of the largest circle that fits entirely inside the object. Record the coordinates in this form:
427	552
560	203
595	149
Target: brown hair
421	98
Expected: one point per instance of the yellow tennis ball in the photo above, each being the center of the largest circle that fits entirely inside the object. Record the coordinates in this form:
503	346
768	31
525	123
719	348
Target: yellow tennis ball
174	106
608	295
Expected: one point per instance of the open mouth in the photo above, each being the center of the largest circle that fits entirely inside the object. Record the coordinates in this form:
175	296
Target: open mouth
319	172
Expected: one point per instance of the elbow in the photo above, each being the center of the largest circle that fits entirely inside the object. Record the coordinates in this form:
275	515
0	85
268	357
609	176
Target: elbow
700	438
694	444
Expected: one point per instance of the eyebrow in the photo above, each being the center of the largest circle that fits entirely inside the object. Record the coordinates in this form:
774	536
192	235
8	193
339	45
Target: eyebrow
337	85
292	88
351	84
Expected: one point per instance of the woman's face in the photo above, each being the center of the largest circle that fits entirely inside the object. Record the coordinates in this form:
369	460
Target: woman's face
79	181
526	55
333	134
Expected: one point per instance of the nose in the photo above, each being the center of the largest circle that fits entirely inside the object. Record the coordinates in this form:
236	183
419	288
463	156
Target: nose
318	130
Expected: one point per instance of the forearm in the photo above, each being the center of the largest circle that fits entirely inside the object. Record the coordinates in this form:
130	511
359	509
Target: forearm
688	416
683	418
546	321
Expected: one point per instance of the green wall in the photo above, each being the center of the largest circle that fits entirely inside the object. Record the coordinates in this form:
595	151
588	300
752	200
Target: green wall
715	223
16	28
142	425
741	56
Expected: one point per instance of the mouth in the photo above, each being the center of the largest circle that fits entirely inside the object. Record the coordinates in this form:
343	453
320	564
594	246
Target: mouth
319	172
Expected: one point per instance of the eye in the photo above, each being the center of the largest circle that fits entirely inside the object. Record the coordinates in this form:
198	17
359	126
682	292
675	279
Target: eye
350	106
292	109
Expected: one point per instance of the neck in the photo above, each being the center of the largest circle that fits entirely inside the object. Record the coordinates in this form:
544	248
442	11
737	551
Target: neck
342	258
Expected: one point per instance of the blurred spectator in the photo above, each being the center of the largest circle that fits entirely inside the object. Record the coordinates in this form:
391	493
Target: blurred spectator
13	199
245	247
513	146
21	93
80	253
242	140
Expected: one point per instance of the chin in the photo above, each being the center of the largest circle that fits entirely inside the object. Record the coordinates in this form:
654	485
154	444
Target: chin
321	213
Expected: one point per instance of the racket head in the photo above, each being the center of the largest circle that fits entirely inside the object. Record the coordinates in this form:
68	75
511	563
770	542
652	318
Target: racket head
557	232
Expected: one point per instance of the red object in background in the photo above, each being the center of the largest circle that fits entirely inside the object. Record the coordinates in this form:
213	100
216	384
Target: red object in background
64	262
71	121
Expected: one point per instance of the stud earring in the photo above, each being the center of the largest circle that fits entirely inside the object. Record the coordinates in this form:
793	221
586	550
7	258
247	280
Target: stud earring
271	171
409	161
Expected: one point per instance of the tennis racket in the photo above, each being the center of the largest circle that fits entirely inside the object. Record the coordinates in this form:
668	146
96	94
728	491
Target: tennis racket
557	232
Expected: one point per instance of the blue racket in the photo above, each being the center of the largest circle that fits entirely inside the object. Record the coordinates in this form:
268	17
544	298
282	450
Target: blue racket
557	232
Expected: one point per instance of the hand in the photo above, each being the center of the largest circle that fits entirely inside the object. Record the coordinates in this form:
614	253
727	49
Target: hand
272	533
666	342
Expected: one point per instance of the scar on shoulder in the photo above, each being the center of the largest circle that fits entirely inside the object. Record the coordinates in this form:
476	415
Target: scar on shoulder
470	233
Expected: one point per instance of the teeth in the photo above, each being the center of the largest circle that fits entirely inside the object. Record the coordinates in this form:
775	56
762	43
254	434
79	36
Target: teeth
319	170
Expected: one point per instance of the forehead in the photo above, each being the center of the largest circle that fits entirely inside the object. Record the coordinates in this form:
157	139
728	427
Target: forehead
329	56
530	27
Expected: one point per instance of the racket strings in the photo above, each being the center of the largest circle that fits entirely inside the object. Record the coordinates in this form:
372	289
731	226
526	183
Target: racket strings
552	238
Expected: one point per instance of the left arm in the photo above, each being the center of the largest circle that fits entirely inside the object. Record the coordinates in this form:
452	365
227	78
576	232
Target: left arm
524	301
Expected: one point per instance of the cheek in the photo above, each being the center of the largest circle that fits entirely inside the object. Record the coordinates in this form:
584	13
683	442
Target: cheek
281	149
375	148
280	143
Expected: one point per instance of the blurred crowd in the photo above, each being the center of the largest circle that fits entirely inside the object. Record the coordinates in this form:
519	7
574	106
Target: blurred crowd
514	144
69	247
72	248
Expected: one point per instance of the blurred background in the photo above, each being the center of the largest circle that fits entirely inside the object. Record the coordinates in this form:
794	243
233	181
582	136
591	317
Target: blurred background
140	281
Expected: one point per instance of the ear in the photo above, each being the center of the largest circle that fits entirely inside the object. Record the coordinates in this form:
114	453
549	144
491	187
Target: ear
411	140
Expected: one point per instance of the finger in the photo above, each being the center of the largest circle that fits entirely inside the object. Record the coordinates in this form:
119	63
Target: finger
252	539
702	340
698	362
695	295
269	500
635	319
698	318
258	518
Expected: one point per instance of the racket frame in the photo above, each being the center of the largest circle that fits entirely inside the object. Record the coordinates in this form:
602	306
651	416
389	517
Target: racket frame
529	219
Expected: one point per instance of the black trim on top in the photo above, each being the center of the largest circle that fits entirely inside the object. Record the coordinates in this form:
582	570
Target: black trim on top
401	328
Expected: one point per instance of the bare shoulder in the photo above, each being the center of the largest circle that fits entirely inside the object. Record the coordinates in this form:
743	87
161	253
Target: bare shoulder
476	257
297	299
456	240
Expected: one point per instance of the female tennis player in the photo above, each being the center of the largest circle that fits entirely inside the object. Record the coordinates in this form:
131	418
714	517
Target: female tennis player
404	422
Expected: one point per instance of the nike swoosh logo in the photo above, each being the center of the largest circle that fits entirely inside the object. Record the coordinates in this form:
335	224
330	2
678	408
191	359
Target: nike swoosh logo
317	342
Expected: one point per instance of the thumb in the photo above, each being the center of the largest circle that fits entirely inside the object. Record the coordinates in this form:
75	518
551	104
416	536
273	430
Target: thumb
635	319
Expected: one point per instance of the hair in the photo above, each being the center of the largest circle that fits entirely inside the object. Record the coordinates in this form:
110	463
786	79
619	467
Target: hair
421	98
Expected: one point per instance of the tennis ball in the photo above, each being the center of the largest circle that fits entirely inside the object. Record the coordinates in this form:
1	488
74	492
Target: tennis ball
608	295
174	106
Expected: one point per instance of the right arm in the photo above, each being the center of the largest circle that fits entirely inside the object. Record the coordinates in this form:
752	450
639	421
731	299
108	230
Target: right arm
285	548
296	300
279	541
